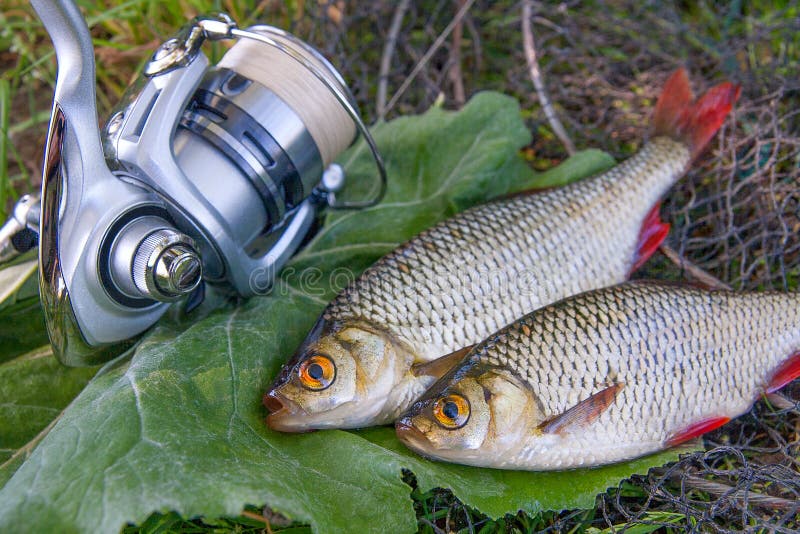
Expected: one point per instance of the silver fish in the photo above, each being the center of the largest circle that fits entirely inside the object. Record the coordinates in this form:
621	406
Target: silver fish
607	376
400	325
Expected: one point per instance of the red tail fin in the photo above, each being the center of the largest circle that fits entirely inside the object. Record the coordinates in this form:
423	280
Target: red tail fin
692	122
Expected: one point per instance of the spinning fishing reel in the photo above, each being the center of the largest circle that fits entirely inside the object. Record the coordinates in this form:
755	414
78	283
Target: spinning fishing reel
204	175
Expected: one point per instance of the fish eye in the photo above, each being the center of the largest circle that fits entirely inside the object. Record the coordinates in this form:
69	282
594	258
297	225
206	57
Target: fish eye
452	411
317	372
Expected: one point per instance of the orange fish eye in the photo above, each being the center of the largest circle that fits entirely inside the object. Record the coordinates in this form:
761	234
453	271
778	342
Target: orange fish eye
452	411
317	372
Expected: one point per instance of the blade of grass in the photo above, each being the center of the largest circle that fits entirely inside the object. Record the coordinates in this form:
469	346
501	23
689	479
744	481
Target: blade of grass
39	117
23	176
5	104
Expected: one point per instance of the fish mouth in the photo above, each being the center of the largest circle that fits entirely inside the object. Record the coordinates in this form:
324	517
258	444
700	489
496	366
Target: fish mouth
412	437
282	414
273	402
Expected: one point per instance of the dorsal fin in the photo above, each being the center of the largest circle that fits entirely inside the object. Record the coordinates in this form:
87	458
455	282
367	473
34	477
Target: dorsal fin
438	367
582	413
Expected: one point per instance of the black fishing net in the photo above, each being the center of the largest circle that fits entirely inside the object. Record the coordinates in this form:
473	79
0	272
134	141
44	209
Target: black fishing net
736	215
603	64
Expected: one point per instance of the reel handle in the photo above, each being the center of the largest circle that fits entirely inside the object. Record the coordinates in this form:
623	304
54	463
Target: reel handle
80	200
75	82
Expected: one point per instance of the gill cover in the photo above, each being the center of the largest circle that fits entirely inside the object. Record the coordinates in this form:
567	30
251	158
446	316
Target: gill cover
471	413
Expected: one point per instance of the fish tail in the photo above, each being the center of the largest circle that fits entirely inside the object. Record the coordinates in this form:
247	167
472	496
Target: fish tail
692	122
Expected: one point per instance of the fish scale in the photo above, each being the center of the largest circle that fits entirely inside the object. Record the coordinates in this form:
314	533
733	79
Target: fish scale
418	295
671	383
451	286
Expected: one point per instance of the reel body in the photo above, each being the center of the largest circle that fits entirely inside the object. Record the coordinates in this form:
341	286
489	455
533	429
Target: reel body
204	174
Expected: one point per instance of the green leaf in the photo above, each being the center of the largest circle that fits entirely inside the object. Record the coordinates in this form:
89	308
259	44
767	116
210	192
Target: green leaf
21	316
23	328
583	163
34	388
13	278
180	426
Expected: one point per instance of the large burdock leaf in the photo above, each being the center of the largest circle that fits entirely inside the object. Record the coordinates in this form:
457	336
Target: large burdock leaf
179	426
34	388
21	319
21	327
14	277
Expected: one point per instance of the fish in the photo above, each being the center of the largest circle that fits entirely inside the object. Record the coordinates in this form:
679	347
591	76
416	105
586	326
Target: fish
412	315
607	376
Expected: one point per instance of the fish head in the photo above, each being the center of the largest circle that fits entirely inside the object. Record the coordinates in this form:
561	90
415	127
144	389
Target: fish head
340	377
471	414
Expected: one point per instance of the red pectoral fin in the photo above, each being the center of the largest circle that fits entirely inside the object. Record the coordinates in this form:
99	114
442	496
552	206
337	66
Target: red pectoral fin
785	373
652	234
582	413
696	429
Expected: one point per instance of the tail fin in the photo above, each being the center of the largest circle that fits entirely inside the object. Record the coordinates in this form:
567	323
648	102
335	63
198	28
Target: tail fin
693	122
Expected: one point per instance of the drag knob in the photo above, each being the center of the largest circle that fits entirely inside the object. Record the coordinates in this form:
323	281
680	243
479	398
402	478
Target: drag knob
166	265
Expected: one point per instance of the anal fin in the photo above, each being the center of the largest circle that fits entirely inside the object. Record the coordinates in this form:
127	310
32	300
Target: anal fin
785	373
582	413
652	234
696	429
438	367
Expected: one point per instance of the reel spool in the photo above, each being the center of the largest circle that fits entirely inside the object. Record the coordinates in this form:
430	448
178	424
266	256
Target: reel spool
260	114
204	174
329	124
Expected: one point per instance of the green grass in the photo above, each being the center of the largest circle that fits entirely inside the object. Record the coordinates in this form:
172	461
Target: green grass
251	522
5	112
